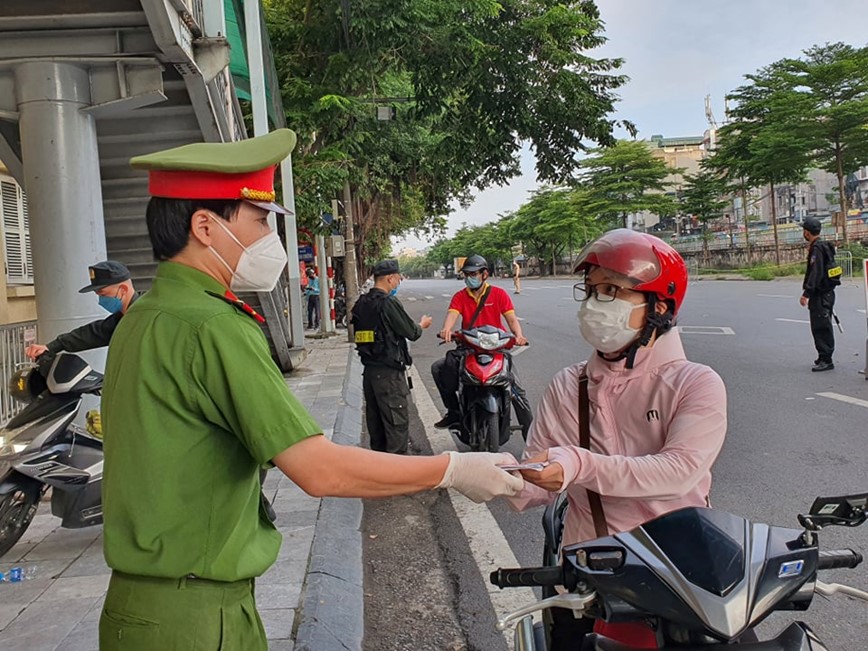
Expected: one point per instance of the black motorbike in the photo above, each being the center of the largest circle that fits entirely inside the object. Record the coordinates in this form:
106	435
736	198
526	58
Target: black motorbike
41	447
340	307
694	579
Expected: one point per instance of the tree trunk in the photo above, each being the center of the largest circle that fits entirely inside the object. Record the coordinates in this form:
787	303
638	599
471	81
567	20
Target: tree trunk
839	160
705	255
351	279
554	263
775	223
746	220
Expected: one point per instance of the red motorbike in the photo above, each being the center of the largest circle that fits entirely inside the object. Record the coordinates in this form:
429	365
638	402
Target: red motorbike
485	388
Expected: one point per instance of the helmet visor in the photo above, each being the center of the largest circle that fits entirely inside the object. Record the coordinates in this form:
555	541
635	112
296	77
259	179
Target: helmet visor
622	251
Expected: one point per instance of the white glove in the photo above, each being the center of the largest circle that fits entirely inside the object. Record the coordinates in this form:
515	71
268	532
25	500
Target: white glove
476	475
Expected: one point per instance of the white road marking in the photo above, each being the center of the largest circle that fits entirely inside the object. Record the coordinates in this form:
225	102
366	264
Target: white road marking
793	320
843	398
776	295
518	350
705	330
446	295
412	298
429	297
488	545
862	311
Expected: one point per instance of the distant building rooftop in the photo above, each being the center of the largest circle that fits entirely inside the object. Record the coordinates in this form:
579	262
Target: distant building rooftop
677	142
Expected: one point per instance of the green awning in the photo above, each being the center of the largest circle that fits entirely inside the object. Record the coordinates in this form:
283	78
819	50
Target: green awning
235	34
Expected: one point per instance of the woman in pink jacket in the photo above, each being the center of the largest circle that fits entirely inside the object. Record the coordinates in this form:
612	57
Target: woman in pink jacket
656	420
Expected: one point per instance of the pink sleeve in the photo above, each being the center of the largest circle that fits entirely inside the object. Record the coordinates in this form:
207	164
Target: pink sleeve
556	416
693	442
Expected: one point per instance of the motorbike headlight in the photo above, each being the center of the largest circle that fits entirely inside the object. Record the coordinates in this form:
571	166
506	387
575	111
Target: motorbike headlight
489	340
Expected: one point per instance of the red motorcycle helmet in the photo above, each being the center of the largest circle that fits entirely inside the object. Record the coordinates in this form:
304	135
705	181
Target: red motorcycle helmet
653	265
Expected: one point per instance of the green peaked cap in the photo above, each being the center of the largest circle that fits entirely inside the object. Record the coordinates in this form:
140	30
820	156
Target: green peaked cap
222	157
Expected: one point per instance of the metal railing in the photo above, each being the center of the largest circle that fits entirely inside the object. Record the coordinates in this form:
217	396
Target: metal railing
787	234
845	261
13	339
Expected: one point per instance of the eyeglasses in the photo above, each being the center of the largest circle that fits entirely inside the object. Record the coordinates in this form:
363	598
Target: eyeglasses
603	292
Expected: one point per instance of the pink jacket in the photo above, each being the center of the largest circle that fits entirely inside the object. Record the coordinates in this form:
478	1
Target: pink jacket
656	430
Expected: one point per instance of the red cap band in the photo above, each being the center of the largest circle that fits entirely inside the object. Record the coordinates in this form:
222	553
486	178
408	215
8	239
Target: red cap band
186	184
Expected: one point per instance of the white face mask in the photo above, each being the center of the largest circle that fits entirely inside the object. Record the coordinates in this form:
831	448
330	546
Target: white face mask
259	266
606	325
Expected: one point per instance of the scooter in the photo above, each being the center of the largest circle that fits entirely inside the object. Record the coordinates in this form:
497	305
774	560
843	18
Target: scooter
340	307
485	388
694	579
41	447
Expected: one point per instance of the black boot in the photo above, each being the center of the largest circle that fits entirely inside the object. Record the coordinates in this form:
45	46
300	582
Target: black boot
450	420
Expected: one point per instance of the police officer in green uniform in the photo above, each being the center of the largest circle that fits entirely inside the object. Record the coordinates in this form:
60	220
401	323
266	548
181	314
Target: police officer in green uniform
193	407
110	280
382	329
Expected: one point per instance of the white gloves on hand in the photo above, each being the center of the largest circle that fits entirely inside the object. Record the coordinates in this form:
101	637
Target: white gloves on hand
476	475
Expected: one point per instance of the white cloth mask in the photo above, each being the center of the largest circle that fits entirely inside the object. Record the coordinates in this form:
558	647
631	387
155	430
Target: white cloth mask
605	325
259	266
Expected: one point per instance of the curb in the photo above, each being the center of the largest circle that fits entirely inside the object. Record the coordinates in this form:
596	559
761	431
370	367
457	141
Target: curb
333	608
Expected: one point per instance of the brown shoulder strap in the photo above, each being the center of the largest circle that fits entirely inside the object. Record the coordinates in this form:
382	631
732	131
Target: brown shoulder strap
596	504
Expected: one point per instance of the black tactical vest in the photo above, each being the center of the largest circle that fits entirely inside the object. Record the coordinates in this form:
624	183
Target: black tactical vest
375	343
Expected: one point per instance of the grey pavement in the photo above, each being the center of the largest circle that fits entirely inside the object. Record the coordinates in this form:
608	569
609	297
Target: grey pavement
311	598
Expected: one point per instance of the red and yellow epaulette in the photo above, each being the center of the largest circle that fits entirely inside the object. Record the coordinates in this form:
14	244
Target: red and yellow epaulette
237	303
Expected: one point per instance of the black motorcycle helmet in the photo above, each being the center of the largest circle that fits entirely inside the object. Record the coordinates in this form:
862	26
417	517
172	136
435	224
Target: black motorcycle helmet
26	384
475	263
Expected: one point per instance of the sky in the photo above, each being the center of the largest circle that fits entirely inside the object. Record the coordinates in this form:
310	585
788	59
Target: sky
676	52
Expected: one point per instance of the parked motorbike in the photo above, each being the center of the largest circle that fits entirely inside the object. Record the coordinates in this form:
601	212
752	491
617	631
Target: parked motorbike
340	307
41	447
485	388
696	578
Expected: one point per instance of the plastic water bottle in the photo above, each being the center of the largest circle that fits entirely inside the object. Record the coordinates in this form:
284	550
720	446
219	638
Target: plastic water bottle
17	574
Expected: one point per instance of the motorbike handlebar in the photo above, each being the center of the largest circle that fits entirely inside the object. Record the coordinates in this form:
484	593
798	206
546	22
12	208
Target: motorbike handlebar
529	577
839	558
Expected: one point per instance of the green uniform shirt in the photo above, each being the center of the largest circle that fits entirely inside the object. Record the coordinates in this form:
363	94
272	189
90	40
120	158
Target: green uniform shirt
193	406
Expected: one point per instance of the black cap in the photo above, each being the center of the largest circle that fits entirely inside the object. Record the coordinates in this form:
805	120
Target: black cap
475	263
812	225
105	273
386	267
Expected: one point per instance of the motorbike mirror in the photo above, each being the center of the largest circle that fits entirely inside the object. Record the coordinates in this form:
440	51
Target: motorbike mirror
845	511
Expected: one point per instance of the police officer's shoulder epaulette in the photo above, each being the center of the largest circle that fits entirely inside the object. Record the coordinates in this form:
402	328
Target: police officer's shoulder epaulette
237	303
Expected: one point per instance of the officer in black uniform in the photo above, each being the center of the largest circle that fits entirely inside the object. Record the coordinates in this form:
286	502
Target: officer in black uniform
110	280
382	329
822	276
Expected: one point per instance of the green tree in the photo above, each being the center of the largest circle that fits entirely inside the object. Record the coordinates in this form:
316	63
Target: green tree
623	179
469	81
768	141
704	197
833	78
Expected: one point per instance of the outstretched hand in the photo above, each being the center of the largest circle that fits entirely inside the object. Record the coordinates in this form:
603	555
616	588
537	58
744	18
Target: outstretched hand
477	476
35	350
551	478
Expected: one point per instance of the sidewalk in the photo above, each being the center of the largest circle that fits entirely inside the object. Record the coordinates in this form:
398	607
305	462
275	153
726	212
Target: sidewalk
310	599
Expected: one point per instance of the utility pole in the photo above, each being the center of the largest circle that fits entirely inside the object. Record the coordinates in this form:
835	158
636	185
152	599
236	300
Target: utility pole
351	280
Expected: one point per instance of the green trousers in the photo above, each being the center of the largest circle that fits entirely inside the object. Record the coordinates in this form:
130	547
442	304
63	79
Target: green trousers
149	614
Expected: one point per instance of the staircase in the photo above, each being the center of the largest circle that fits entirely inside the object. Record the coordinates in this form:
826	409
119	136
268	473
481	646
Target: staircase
192	100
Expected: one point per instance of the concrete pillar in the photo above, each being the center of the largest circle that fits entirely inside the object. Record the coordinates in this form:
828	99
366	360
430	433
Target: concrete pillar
62	181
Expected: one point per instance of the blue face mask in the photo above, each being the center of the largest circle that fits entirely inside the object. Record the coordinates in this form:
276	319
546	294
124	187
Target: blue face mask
111	304
395	291
473	282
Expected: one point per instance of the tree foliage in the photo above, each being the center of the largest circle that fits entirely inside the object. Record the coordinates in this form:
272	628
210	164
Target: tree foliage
833	82
625	179
469	80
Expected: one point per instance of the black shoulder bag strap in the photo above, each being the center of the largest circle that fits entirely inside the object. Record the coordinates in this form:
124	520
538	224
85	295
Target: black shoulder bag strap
596	504
479	307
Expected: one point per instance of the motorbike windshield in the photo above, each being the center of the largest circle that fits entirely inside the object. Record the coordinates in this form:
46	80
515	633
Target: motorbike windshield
707	546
